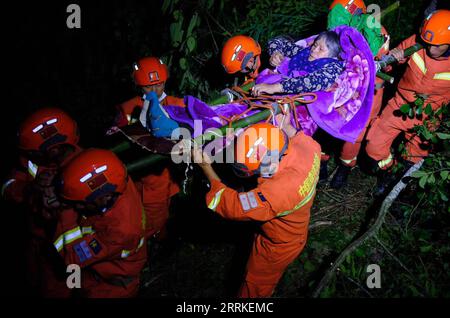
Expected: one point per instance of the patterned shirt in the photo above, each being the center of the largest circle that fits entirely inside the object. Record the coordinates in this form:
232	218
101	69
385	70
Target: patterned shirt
318	80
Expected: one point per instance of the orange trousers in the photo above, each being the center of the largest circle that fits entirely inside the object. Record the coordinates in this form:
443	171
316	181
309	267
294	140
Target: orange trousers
387	127
350	151
156	191
268	261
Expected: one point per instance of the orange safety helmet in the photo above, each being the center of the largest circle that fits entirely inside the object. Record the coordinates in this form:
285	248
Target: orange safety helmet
150	71
45	128
92	173
259	145
237	51
355	7
436	28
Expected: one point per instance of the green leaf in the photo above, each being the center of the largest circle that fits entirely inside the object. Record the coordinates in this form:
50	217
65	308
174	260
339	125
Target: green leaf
176	33
418	102
418	174
423	181
428	110
443	136
444	197
427	134
183	63
411	113
425	249
419	110
444	174
191	44
405	108
165	6
431	179
192	24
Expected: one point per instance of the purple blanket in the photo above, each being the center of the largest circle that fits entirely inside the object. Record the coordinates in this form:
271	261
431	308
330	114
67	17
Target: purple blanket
343	111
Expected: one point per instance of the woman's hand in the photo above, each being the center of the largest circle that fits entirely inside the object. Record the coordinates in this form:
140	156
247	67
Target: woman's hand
276	59
267	88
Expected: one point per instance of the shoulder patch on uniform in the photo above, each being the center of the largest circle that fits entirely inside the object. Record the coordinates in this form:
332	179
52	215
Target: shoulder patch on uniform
82	251
244	201
252	199
95	246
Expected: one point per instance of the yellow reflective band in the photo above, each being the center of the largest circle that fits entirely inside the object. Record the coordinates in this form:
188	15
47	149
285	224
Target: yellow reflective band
59	243
384	163
67	238
87	230
32	168
141	242
129	119
419	62
348	161
7	184
442	76
301	203
216	200
144	219
72	235
125	253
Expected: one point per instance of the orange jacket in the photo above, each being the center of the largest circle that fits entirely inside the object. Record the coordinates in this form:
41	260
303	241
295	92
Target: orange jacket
126	109
425	75
111	244
283	201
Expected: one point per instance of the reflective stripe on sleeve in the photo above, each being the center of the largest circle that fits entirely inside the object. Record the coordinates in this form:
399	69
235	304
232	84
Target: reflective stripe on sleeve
216	200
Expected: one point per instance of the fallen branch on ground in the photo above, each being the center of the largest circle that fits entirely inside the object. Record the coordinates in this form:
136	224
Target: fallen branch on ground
369	233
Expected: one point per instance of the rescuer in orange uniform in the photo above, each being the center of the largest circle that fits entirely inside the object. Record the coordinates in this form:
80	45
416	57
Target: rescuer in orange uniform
47	141
151	74
427	75
103	230
288	163
350	151
241	53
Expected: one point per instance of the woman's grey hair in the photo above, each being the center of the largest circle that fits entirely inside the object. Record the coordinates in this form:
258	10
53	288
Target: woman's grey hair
332	40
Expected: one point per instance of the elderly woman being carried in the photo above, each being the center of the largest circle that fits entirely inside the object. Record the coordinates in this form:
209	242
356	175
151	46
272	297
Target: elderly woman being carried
300	69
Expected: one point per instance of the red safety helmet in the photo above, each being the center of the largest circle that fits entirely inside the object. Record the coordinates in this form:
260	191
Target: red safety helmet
92	173
355	7
46	128
436	28
237	51
259	145
150	71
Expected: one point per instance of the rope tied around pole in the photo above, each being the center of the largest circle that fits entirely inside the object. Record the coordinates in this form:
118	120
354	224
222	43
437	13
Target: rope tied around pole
270	102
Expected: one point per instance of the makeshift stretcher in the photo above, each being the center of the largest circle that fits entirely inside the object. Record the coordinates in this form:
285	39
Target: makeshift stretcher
342	111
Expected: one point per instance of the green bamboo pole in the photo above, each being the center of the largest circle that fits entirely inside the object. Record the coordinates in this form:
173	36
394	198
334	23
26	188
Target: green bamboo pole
385	77
145	162
123	146
408	52
390	60
205	138
225	99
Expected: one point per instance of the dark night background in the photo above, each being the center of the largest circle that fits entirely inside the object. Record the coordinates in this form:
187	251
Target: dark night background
87	72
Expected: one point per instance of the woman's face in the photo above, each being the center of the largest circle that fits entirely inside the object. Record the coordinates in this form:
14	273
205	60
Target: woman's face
319	50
